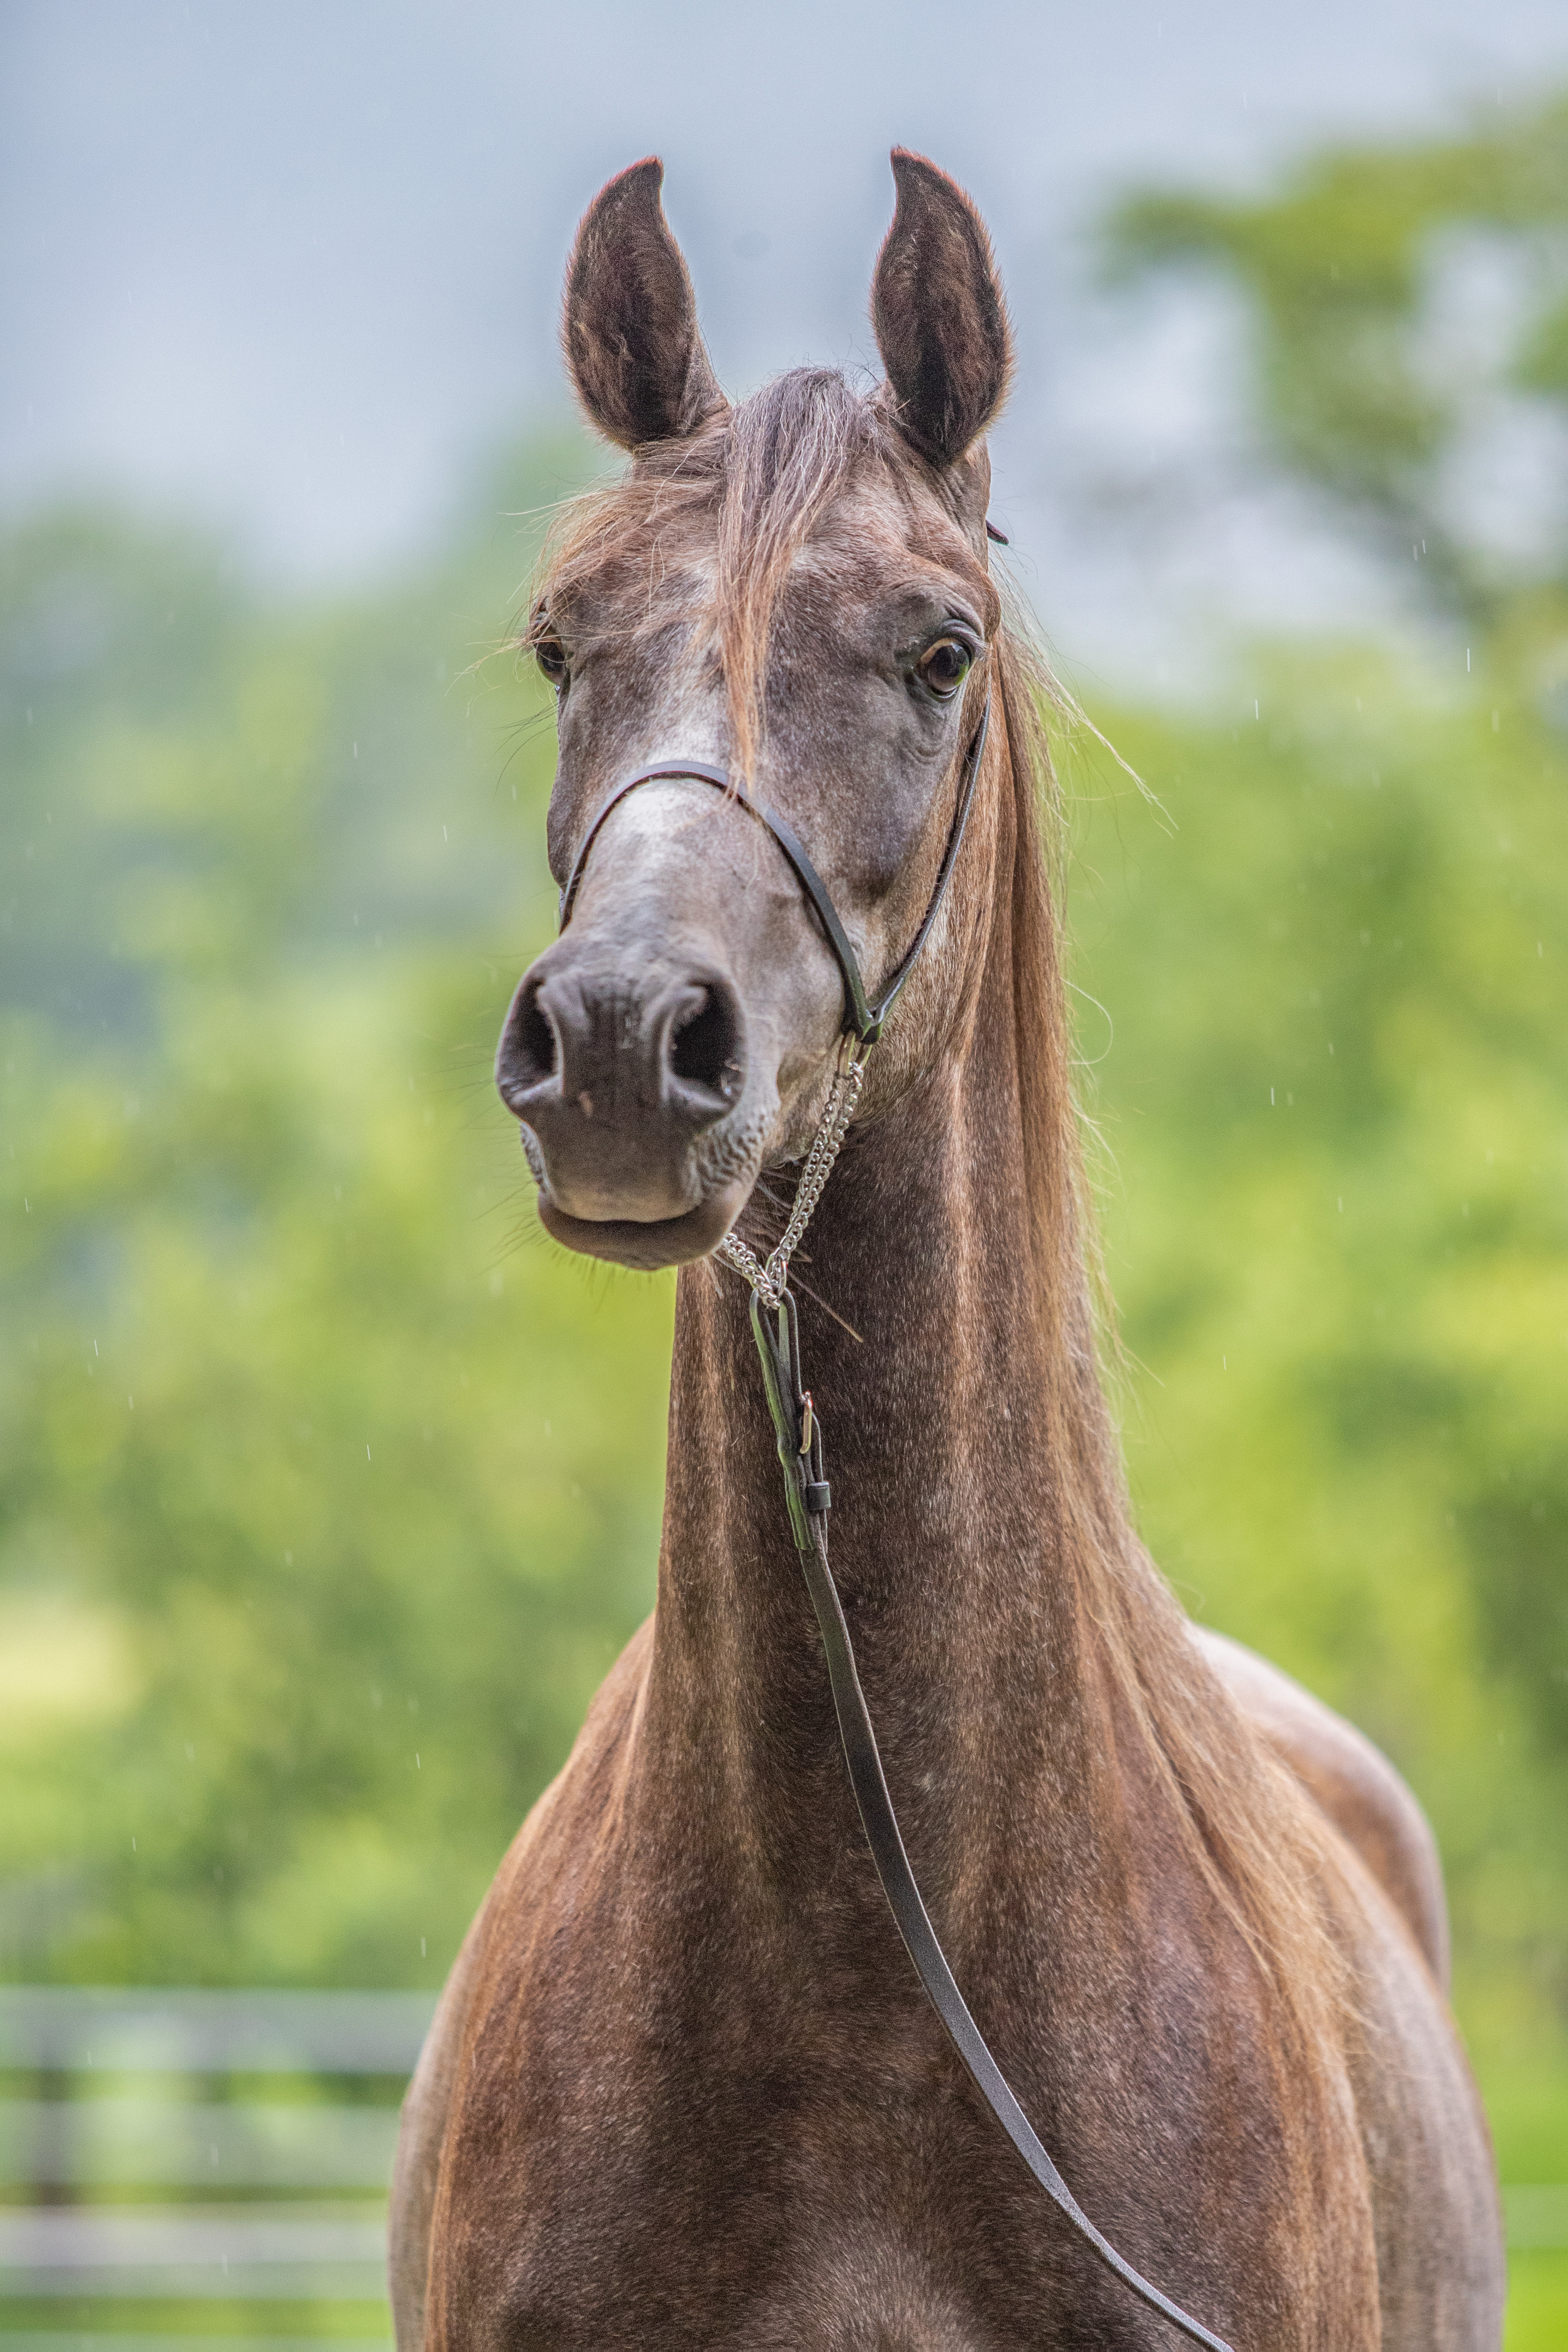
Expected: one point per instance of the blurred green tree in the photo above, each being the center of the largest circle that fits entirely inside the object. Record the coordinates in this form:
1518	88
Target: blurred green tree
1338	1104
1407	310
323	1506
1337	1100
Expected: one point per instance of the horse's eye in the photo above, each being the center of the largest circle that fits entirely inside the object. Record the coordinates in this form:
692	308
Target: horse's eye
946	666
551	654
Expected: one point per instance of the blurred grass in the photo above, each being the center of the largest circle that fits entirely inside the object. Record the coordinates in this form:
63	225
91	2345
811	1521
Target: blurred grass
1536	2303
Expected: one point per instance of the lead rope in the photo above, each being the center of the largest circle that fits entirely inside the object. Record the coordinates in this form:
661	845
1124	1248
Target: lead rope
798	1427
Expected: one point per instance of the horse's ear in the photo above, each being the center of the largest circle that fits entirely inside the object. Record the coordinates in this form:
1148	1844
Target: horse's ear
630	320
941	321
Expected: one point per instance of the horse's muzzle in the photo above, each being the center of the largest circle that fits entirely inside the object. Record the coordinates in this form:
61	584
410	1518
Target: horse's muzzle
619	1076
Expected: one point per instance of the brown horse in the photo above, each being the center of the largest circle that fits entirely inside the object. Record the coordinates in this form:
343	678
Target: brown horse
683	2089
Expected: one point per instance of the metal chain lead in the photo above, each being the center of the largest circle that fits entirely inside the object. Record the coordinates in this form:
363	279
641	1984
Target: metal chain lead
769	1277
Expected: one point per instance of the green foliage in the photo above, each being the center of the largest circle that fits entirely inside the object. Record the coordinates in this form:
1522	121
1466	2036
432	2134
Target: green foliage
1339	1226
1339	1098
325	1504
1342	270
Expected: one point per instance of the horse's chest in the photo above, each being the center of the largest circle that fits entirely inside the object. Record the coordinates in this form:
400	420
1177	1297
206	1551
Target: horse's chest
874	2293
782	2276
758	2214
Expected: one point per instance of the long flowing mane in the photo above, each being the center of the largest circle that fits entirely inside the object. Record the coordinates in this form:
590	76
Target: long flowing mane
1244	1817
748	490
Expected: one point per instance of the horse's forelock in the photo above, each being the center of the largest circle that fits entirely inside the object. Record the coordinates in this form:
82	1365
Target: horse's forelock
792	447
761	476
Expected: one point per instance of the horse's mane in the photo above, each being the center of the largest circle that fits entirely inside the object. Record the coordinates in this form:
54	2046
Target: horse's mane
764	473
1242	1816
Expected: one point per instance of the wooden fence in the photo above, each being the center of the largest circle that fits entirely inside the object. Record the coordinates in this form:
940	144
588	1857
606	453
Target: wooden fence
192	2167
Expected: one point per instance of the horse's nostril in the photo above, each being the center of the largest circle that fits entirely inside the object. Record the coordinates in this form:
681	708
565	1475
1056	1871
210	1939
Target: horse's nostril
705	1047
530	1056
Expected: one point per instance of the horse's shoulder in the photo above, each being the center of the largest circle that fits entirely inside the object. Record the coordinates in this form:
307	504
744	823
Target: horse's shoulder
1351	1780
417	2165
429	2104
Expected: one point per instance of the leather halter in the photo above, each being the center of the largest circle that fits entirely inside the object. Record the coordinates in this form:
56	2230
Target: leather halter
862	1019
797	1426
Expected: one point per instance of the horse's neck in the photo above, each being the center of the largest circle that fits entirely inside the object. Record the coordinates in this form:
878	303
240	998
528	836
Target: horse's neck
945	1432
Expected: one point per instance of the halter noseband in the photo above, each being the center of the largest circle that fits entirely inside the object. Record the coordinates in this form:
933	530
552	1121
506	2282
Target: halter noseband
862	1019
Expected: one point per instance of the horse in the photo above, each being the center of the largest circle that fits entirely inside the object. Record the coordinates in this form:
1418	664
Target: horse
682	2088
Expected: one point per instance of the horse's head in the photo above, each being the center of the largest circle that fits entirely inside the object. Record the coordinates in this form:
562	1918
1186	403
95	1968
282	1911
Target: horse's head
794	591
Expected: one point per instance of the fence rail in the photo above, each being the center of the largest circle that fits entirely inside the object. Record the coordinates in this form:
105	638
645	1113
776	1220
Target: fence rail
164	2151
96	2028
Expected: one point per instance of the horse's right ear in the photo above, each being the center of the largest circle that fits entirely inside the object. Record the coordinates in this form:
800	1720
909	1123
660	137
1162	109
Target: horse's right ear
630	320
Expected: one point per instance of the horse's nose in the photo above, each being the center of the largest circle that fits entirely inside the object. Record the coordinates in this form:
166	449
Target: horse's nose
616	1076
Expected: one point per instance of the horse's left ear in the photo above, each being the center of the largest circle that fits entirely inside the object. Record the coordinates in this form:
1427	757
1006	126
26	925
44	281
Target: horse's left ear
941	321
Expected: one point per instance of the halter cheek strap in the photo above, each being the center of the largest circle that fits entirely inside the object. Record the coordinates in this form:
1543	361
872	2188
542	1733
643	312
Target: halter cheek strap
862	1019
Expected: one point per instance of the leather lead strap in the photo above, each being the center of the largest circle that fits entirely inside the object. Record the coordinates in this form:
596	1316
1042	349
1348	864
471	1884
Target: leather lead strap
806	1493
